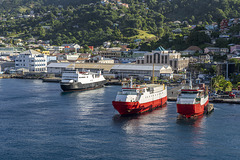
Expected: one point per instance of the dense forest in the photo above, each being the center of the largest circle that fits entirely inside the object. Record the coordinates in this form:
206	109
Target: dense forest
91	22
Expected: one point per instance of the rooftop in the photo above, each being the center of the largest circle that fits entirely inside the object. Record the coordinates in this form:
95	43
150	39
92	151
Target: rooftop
30	51
139	67
160	48
61	65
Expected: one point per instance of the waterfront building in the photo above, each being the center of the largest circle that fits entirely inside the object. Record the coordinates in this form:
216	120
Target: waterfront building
58	68
160	56
32	60
118	70
4	66
94	67
127	70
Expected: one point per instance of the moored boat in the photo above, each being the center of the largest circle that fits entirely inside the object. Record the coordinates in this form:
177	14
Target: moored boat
73	80
191	102
135	99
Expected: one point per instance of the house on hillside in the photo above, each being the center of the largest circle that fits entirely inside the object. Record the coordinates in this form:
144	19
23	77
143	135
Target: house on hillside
191	50
211	50
204	58
235	49
71	47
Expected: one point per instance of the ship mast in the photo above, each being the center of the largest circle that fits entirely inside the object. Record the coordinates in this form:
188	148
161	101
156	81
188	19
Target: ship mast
190	82
153	74
131	83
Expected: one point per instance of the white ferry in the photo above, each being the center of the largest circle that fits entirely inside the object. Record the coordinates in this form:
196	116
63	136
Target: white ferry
73	80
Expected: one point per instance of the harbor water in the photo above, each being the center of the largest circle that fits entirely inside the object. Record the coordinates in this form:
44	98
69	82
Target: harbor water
39	121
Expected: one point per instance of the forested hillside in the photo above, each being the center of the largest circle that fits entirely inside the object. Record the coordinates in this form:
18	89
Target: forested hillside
91	22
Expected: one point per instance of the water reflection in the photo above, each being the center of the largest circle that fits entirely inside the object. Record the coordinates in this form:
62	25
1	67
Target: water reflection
196	122
195	129
146	122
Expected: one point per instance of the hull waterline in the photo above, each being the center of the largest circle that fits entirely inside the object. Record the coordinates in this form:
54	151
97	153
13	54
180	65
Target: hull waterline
128	108
81	87
189	110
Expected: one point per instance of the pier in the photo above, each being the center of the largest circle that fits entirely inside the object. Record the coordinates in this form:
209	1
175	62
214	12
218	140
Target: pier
53	79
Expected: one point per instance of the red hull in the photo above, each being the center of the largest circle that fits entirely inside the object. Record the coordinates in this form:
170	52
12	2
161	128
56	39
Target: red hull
127	108
189	110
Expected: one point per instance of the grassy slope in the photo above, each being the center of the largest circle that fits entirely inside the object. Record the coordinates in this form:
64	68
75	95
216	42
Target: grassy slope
143	35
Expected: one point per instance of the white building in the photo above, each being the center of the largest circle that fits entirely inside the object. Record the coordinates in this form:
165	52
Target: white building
32	60
99	59
58	68
126	70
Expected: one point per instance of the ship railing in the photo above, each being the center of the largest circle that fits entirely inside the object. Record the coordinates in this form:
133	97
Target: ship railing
187	101
127	93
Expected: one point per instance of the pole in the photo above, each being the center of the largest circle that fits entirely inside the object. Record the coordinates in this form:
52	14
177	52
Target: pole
153	74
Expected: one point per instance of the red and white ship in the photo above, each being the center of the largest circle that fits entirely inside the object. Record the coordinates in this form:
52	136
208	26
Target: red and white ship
134	99
191	102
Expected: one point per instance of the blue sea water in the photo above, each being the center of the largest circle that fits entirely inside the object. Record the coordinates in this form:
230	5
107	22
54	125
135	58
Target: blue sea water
38	121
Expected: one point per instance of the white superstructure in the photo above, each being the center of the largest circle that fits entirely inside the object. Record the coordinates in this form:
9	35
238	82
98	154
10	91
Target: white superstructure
70	76
192	97
141	93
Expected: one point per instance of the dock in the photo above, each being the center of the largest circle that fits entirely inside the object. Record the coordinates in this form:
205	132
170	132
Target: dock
114	82
5	76
54	80
173	92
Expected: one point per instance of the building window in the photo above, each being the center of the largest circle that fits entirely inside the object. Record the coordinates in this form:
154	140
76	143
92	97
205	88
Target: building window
175	64
147	58
165	59
158	58
154	58
171	63
138	61
150	58
162	59
142	61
